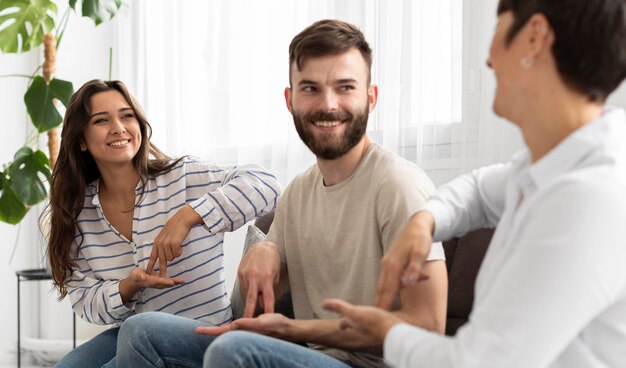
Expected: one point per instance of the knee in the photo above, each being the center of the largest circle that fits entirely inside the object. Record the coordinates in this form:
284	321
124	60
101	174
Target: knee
142	327
139	324
229	349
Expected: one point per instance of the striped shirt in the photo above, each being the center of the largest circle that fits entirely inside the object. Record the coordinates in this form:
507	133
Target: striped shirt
225	197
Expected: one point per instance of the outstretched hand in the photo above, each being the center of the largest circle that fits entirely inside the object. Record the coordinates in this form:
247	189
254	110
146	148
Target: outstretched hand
402	265
273	324
154	281
371	321
168	244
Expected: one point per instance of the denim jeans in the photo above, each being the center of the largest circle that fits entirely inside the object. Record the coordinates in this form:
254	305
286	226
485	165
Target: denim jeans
97	352
155	339
243	349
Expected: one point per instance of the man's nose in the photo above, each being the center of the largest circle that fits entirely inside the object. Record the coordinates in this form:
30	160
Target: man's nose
330	101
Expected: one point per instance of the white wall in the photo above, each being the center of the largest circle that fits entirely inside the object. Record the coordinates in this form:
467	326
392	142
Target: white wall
82	55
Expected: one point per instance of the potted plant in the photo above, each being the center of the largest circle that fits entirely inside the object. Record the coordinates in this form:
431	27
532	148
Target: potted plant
24	26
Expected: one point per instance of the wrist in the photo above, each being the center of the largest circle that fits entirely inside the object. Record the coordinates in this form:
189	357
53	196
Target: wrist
385	328
297	330
424	221
128	287
188	216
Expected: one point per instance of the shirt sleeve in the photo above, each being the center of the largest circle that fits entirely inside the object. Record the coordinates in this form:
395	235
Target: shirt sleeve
401	193
565	268
276	234
94	300
469	202
245	192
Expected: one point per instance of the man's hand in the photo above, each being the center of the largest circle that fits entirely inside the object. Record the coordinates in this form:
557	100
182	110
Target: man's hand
259	272
273	324
402	265
371	321
167	245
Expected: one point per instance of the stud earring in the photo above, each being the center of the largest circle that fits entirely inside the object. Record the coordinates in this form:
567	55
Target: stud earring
526	63
83	148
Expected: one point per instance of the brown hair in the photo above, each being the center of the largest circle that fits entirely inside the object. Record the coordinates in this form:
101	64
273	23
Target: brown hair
328	37
590	40
75	169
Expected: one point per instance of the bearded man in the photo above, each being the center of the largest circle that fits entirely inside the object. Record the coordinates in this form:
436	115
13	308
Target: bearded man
332	226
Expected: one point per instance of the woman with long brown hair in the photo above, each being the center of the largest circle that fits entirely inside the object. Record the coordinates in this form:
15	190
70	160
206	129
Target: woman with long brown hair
132	230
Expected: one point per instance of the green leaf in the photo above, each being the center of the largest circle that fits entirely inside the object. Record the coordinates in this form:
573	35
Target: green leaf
15	35
26	174
12	210
38	100
98	10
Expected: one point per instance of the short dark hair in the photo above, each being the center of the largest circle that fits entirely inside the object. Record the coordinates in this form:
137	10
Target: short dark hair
328	37
590	40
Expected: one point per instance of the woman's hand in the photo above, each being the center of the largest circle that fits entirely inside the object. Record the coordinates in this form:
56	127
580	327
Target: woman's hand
402	265
139	279
371	321
168	244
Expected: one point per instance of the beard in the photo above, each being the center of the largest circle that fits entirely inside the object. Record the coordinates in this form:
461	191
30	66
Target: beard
330	146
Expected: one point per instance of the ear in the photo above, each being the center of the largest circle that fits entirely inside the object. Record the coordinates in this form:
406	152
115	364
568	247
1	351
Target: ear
372	96
540	37
288	99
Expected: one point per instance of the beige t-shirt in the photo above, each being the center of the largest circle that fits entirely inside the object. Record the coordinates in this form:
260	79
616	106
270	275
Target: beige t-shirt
333	238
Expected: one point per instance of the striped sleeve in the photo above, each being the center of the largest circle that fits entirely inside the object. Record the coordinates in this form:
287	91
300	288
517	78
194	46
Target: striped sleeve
245	192
94	300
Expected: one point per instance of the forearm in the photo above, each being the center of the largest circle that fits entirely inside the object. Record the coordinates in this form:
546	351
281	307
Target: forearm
329	333
99	302
469	202
245	193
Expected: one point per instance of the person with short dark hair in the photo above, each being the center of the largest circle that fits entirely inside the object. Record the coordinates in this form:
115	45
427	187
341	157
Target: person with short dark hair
551	291
332	226
132	230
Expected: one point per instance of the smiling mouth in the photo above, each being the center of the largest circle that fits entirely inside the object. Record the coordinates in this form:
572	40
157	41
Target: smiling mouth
119	143
327	124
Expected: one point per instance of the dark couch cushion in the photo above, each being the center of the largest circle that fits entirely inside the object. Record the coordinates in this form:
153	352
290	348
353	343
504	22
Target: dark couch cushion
463	258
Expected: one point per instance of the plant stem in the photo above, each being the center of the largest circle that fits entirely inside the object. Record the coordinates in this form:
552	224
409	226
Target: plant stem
110	61
61	27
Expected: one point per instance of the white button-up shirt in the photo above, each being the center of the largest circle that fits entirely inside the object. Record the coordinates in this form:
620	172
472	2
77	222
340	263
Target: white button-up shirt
551	291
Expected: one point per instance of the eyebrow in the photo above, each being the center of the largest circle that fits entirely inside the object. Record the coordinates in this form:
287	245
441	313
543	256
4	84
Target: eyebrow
340	81
105	113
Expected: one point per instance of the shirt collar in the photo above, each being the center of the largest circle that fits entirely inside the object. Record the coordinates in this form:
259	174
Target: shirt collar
572	150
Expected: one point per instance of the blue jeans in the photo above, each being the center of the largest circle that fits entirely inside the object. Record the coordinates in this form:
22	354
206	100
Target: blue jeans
243	349
97	352
155	339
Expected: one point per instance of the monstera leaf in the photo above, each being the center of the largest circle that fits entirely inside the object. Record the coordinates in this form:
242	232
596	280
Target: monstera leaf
28	171
40	104
11	209
22	184
24	22
98	10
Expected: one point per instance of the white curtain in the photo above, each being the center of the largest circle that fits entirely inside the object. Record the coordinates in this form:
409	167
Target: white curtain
211	76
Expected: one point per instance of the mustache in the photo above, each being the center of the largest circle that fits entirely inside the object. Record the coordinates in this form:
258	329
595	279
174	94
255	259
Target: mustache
340	115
